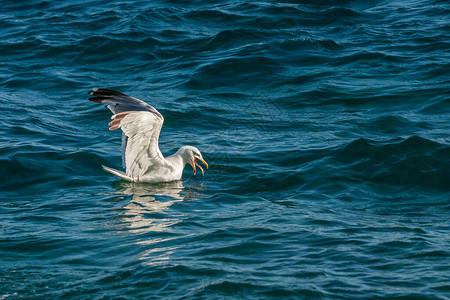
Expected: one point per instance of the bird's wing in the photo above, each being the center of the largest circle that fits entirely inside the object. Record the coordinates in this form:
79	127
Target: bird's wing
143	125
142	130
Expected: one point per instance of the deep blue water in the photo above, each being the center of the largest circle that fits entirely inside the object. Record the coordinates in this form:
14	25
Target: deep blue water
325	125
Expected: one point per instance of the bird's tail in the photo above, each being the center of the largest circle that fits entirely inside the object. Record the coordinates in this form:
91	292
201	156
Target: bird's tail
117	173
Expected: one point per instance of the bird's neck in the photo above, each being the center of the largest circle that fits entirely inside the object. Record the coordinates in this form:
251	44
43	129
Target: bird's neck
178	159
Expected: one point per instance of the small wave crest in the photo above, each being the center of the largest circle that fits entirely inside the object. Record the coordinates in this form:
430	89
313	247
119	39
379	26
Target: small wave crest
412	162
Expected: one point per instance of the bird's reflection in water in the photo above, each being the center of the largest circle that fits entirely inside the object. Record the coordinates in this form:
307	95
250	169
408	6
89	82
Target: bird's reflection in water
148	215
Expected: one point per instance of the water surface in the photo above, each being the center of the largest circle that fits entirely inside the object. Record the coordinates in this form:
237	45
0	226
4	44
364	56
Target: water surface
325	125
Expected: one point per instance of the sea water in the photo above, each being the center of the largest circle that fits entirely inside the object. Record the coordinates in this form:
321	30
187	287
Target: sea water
325	125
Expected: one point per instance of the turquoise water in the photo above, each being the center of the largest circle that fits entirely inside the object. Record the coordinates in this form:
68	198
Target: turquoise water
325	125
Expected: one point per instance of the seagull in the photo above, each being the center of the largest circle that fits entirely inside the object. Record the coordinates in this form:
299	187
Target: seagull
141	124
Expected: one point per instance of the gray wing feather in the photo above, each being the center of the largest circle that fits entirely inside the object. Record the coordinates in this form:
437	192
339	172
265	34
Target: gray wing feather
142	152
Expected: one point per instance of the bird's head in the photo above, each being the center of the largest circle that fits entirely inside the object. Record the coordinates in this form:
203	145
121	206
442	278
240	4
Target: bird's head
192	156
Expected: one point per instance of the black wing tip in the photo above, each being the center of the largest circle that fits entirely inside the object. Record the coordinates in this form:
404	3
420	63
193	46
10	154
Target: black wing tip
104	92
121	102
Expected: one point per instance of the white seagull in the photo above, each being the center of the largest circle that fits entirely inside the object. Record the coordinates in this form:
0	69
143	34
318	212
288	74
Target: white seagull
141	124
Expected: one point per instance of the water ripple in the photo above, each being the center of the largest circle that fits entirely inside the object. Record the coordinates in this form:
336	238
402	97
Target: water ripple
325	126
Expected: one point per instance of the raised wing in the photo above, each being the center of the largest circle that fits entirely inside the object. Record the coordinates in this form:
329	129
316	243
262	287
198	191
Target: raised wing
141	124
142	130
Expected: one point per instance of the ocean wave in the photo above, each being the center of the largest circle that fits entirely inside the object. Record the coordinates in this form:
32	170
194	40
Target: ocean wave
367	57
232	71
411	162
32	169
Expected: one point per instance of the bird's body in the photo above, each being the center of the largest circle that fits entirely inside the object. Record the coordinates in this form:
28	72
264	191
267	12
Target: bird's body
141	124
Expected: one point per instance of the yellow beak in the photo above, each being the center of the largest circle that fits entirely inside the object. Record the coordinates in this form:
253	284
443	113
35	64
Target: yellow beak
196	164
204	162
